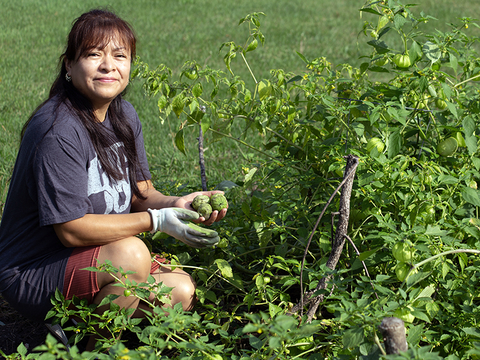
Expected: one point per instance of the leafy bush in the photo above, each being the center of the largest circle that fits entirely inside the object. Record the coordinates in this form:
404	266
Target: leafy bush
411	116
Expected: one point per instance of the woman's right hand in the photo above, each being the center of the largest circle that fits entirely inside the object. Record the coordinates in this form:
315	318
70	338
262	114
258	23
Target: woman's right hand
176	222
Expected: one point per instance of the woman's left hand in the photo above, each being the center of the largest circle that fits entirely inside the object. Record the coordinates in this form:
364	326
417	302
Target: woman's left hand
186	203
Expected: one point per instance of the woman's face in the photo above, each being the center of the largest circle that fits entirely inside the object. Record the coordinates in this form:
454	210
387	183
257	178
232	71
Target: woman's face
101	74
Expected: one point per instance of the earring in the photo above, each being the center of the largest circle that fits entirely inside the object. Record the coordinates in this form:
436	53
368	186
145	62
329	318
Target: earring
68	77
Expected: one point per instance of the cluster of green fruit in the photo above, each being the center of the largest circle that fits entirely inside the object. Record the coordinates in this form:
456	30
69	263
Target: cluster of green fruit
403	251
205	205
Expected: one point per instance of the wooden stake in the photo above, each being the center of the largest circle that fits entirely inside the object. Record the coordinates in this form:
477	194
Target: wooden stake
394	338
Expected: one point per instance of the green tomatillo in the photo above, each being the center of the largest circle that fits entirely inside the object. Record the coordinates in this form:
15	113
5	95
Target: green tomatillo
402	61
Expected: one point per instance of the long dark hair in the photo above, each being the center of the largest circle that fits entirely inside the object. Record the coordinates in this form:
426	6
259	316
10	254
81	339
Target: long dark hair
95	29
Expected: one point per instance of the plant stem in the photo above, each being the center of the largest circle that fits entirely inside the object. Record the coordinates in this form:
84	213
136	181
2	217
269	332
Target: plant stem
469	79
377	341
250	70
415	266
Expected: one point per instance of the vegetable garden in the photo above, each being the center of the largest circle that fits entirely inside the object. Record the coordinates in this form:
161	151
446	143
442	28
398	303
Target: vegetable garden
409	115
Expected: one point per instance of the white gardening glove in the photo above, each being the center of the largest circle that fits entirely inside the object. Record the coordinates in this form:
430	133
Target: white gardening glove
175	222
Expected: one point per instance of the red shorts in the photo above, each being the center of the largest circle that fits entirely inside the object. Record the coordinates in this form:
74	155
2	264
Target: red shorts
83	283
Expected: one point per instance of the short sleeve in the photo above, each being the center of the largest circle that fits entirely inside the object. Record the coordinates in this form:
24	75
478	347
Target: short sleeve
60	167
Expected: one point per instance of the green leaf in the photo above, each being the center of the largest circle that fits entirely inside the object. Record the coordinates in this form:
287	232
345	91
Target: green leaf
228	59
380	46
249	328
225	268
468	125
255	342
197	90
162	102
274	342
353	337
274	309
249	176
107	300
423	82
453	109
415	52
246	208
264	90
206	122
432	309
399	21
415	278
471	143
447	179
180	141
421	315
295	78
366	254
476	163
453	62
359	128
445	269
435	231
201	292
470	195
426	292
371	11
415	333
303	58
394	144
471	331
178	104
363	67
432	51
22	350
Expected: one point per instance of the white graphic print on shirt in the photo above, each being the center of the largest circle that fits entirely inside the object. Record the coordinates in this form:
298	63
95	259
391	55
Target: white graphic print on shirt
98	182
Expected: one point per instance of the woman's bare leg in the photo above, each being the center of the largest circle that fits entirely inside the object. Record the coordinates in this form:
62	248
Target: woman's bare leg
183	289
130	254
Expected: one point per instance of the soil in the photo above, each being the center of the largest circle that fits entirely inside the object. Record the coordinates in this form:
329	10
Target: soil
16	329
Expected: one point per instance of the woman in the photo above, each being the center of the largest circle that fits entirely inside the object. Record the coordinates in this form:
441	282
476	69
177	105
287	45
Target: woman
81	188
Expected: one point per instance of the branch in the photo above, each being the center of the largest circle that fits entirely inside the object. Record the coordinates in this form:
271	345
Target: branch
347	184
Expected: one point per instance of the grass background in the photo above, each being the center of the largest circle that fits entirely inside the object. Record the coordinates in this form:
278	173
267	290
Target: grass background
33	34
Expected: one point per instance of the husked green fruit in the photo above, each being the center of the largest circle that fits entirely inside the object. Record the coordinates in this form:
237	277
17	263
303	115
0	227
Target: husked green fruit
205	210
403	251
200	199
375	143
447	147
402	60
401	270
218	202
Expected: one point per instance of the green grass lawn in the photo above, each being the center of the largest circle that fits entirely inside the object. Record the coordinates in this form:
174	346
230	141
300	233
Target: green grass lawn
171	32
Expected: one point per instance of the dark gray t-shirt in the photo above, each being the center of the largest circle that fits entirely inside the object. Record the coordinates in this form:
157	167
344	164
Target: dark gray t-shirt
57	178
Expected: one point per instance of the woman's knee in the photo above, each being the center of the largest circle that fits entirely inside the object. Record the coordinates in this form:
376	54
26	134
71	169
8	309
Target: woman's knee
183	287
129	254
